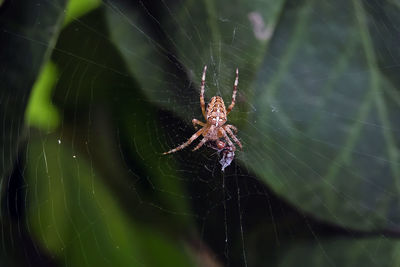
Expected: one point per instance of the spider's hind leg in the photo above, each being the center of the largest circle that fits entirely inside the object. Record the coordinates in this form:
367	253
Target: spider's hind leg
197	122
202	142
230	126
188	142
232	135
227	139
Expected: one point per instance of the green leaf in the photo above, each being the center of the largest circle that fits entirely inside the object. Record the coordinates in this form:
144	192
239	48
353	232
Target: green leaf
330	146
73	215
78	8
28	32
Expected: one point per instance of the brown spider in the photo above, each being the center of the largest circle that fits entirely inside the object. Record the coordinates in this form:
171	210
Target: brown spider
216	116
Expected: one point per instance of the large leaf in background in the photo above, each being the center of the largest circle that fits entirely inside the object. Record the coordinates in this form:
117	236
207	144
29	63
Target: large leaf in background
331	147
191	34
28	31
322	134
145	52
346	252
74	216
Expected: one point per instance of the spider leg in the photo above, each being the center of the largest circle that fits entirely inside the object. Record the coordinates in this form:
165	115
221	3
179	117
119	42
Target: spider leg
202	142
202	103
230	126
197	122
188	142
234	93
233	137
227	139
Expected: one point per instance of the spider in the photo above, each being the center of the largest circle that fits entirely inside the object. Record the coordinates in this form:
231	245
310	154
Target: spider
216	115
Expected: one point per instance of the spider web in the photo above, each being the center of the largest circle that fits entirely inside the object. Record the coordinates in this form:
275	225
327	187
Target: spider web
316	111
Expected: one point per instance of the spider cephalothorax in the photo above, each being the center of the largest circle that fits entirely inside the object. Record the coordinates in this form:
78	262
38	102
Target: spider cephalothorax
216	115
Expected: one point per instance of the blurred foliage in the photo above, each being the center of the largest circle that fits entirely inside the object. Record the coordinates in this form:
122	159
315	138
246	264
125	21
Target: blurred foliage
40	112
23	48
378	251
317	112
77	8
75	218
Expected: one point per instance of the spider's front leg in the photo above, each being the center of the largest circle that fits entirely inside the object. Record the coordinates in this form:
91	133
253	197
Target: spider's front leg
202	103
235	85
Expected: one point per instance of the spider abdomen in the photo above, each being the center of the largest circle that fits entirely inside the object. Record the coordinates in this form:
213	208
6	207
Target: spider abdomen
216	111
